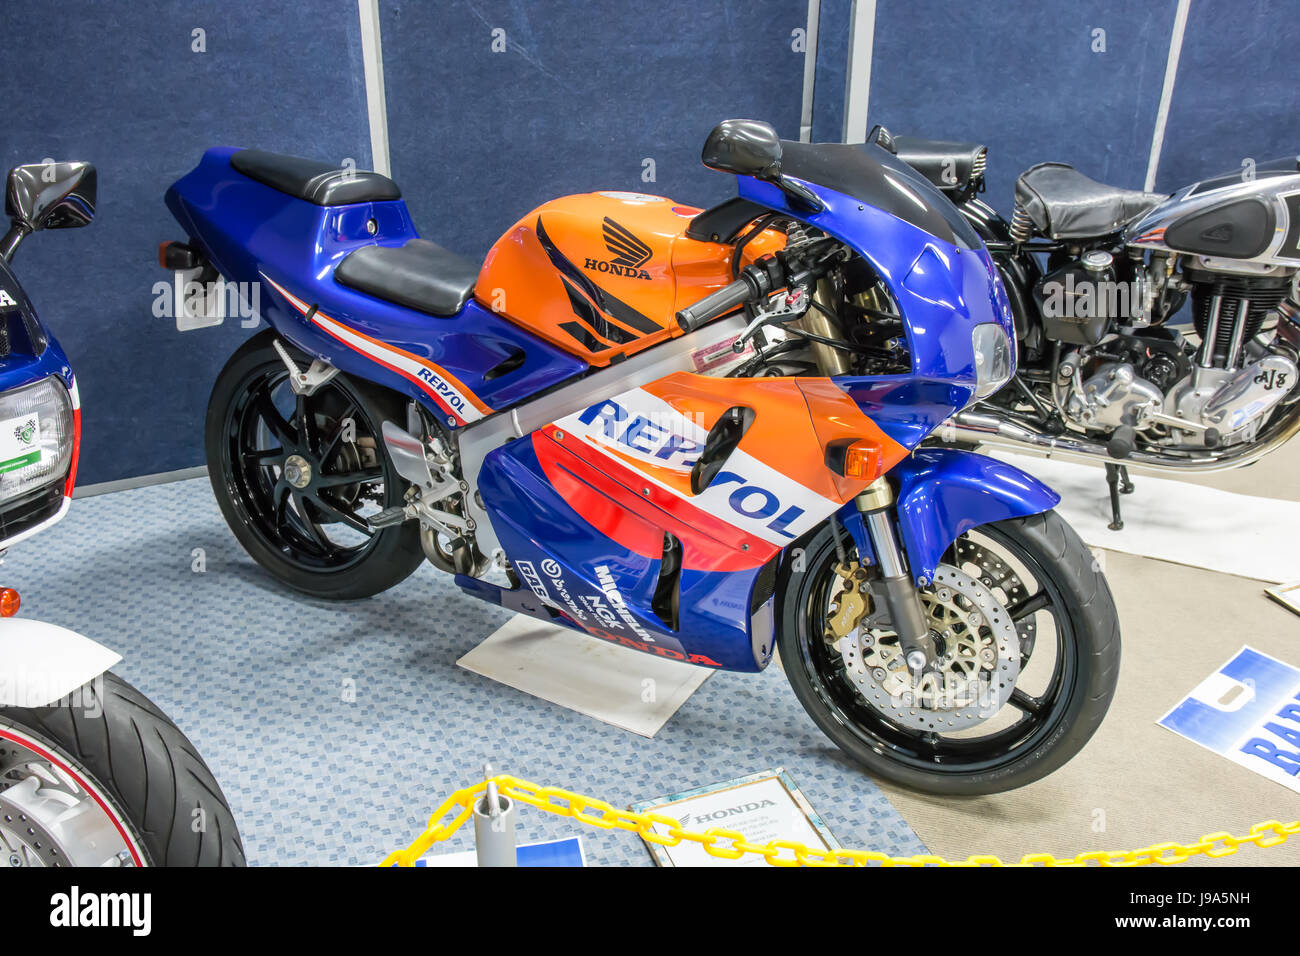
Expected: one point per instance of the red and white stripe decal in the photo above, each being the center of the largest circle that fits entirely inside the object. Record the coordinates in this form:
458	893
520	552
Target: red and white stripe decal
71	481
448	392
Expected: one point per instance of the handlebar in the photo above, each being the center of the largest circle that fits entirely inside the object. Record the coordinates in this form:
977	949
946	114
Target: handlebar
755	282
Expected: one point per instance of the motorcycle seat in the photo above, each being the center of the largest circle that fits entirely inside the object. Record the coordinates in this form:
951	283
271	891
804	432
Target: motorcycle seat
949	166
312	180
420	275
1063	203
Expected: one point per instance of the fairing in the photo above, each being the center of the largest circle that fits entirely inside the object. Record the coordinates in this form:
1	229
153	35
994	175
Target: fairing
585	505
34	354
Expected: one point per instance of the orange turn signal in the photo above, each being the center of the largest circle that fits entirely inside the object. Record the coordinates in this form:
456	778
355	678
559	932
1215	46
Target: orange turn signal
862	460
9	602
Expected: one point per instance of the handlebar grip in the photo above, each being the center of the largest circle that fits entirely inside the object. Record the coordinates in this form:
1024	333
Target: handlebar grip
716	303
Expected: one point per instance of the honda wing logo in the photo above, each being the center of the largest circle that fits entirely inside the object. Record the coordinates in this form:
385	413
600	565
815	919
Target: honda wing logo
629	253
626	248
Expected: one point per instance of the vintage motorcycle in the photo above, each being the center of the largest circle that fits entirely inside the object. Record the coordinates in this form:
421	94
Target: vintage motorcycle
92	773
691	432
1096	275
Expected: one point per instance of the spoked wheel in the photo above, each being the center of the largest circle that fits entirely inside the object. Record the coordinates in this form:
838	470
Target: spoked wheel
106	779
299	477
1027	640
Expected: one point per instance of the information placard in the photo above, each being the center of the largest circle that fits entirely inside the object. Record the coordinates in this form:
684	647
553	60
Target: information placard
1248	711
764	806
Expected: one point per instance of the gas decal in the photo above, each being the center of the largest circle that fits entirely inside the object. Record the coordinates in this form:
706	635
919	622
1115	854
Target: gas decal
645	432
528	572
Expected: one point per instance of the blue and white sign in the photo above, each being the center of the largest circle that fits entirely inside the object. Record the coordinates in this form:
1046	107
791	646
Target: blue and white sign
1249	712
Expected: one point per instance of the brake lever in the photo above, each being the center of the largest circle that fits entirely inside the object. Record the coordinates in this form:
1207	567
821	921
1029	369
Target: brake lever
794	303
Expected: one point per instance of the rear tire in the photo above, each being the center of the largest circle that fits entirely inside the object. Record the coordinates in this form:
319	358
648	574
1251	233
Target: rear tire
294	532
145	770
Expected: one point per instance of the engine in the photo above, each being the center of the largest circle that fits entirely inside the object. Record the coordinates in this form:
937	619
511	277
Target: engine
1131	375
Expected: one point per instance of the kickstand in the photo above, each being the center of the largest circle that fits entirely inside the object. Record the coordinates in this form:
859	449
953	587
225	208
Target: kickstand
1113	473
1125	483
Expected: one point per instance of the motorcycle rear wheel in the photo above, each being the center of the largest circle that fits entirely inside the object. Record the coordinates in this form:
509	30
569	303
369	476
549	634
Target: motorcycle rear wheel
1057	585
107	779
314	536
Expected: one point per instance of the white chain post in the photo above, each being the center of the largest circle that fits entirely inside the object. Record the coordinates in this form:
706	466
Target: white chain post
495	817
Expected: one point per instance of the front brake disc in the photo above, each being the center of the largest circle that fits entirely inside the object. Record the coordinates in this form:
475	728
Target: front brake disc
971	679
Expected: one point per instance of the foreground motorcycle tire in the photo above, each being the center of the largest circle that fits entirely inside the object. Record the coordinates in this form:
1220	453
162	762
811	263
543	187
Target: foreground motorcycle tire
290	531
1085	661
150	800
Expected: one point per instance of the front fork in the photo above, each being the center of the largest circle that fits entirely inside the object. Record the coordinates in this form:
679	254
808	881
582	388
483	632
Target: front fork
897	590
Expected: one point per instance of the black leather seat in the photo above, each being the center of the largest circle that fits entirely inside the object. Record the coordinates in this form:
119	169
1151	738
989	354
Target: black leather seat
1063	203
951	167
312	180
420	275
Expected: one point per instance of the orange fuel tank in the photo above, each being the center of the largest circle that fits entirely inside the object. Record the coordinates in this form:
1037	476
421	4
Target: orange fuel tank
602	275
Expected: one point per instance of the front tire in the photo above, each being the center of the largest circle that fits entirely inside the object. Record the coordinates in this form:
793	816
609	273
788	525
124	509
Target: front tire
1043	575
108	780
298	478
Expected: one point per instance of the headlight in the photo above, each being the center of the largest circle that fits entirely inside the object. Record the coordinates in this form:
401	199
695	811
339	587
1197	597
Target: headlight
35	436
995	359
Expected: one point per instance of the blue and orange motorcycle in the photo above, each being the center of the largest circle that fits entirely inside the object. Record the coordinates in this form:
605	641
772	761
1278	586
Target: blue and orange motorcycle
692	432
92	773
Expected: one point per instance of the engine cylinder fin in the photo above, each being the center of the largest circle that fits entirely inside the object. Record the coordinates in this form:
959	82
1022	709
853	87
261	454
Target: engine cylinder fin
1245	303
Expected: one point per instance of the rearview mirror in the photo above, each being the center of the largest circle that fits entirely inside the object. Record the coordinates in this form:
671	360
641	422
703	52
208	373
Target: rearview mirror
51	195
47	196
744	147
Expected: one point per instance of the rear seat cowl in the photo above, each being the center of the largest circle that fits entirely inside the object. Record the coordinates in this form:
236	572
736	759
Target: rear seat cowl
312	180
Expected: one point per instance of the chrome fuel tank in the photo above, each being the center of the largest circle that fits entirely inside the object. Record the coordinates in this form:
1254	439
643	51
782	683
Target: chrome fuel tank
1247	216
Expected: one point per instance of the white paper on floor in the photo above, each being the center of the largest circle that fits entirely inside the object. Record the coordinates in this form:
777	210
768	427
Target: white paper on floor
617	685
1177	521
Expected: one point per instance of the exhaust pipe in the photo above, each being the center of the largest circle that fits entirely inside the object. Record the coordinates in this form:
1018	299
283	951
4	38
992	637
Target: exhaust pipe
980	428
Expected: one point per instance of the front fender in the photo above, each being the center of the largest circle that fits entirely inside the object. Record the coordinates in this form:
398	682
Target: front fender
41	663
942	493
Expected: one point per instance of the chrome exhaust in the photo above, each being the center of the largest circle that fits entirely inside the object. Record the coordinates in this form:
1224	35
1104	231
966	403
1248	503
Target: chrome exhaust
980	428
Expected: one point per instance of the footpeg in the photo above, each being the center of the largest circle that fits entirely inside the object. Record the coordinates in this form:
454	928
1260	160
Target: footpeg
388	517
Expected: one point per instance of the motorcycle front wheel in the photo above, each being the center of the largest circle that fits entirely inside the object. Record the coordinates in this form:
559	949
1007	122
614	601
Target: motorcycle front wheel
1028	657
106	779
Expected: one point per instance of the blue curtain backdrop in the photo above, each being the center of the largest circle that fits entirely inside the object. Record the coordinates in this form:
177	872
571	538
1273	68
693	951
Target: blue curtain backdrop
582	97
120	85
495	106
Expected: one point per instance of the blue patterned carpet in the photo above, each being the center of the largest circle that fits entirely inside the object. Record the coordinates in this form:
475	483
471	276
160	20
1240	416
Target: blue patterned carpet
259	678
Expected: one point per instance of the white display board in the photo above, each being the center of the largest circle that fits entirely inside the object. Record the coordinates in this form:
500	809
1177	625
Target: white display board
764	806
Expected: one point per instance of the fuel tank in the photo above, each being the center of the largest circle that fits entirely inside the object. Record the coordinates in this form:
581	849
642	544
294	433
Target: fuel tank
1251	215
602	275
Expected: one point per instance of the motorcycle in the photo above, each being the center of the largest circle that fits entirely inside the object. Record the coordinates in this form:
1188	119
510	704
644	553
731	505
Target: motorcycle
91	772
691	432
1096	274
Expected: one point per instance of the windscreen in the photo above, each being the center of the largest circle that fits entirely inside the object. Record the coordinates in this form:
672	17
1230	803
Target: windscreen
876	177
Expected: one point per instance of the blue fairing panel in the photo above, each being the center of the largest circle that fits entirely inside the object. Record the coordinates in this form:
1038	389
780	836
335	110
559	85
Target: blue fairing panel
943	493
602	587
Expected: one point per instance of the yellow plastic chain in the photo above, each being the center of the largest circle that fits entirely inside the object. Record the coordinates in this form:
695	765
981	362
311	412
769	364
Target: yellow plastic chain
730	845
